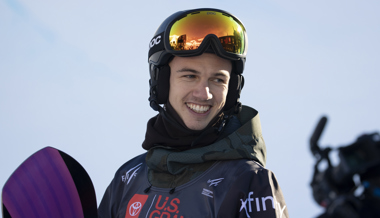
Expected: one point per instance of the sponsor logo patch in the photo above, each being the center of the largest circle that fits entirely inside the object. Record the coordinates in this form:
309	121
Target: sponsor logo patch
214	182
135	205
130	174
207	193
260	204
155	41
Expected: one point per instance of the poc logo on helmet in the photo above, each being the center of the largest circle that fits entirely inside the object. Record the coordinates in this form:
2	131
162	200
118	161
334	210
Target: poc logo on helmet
155	41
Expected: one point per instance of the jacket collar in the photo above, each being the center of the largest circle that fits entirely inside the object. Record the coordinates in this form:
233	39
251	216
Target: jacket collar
244	143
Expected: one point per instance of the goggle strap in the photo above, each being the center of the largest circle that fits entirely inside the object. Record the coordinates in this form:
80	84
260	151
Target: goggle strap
156	44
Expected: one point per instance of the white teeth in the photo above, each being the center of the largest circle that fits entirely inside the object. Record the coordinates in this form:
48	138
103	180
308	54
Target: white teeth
198	108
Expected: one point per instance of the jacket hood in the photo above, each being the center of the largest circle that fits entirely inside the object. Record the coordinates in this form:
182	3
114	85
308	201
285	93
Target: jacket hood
245	143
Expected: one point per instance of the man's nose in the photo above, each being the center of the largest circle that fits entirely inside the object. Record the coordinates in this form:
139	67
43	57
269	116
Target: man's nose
202	91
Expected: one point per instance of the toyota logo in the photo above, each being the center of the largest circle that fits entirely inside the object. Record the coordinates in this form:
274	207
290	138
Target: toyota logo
134	209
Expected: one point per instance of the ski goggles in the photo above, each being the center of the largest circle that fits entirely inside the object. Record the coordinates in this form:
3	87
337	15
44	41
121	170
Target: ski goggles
191	33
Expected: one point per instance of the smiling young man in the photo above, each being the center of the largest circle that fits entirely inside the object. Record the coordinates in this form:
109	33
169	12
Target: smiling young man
198	88
205	151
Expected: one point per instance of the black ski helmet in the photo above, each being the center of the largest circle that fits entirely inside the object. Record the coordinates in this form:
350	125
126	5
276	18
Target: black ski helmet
161	53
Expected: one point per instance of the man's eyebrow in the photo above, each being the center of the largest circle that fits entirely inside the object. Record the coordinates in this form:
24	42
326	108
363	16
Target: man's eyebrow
221	74
185	69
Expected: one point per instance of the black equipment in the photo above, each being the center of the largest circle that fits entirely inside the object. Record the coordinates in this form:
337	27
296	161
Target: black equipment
351	189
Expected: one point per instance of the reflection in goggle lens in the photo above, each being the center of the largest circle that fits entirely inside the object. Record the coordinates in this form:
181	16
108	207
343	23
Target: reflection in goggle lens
189	32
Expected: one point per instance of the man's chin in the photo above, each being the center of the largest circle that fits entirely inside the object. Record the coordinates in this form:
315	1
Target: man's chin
196	126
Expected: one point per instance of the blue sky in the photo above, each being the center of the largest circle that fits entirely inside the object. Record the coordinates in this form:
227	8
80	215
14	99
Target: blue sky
74	76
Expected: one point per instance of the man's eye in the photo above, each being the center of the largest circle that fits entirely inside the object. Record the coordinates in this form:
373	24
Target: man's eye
190	76
219	80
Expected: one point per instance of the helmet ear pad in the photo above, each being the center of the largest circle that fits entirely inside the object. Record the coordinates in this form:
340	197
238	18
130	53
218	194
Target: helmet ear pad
234	89
163	84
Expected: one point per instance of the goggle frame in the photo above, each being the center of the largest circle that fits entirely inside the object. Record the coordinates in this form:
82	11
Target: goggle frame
160	57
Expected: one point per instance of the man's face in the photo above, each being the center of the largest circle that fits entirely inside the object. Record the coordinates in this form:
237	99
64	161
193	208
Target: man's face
198	88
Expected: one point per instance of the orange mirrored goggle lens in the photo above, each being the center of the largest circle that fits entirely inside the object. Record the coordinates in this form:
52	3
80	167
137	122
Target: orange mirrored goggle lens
189	32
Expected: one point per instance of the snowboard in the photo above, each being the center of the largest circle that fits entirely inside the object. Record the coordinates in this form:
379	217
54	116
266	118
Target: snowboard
50	183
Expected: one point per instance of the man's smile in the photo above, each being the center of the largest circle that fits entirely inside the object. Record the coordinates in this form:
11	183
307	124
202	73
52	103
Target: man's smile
199	109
